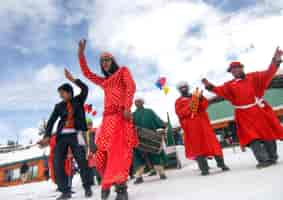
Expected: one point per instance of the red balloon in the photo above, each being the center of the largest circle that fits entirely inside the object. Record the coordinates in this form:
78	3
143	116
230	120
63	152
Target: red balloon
94	113
162	81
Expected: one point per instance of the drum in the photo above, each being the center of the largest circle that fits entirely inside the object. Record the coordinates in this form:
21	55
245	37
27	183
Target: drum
149	140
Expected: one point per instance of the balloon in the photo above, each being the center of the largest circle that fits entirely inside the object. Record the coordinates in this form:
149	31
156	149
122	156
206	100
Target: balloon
166	90
162	81
158	85
94	113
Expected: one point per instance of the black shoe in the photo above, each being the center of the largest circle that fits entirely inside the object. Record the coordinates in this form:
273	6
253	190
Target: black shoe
152	173
88	193
105	194
163	177
138	181
205	173
122	193
264	164
274	162
225	168
65	196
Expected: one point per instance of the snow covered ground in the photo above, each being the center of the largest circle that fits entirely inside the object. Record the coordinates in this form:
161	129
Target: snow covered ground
243	182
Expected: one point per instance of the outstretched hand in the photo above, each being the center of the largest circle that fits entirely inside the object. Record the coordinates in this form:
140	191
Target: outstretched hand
68	75
205	82
82	45
209	86
43	142
277	57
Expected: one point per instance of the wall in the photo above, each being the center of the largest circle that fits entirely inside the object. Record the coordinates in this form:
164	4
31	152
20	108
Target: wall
41	169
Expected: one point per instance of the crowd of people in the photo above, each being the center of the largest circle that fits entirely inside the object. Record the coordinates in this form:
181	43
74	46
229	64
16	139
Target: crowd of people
112	153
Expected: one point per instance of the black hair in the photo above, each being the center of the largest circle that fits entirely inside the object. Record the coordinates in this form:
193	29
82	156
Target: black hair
113	69
67	87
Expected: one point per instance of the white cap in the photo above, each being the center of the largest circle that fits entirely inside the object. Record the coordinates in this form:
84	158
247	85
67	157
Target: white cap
182	84
139	98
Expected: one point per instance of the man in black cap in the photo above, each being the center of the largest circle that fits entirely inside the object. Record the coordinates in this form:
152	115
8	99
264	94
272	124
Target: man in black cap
69	134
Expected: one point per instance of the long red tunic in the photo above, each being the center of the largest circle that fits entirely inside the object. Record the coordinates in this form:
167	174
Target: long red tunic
253	122
200	139
117	136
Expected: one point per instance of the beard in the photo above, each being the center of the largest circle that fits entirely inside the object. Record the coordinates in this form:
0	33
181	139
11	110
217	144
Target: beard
184	93
240	75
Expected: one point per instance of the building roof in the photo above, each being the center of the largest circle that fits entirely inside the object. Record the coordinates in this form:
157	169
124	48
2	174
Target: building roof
224	110
24	155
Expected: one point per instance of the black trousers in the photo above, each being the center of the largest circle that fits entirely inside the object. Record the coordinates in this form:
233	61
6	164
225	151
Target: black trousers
271	149
203	164
264	150
61	150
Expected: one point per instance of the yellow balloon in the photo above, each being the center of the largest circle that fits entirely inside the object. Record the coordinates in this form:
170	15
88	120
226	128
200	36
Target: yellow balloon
166	90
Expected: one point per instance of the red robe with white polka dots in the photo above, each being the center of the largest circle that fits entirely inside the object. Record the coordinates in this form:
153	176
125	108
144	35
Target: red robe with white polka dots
117	136
254	121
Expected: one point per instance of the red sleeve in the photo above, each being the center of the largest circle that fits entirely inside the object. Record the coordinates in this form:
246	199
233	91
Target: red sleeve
130	88
89	74
263	79
223	91
182	108
203	104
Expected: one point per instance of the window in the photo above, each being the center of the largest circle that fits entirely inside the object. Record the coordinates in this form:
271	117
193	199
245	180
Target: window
12	175
16	174
33	171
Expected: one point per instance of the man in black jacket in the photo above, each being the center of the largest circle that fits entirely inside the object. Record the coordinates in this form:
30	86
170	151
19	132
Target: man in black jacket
69	134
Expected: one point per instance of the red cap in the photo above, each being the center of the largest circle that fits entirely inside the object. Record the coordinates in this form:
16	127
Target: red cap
234	64
106	55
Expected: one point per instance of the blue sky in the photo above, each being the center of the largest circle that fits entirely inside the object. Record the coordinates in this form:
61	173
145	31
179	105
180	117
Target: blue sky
39	38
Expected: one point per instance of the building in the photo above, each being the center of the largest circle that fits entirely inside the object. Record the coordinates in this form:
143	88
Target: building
222	113
11	163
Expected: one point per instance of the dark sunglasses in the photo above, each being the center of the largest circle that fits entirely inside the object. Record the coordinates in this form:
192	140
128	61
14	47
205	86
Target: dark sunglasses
106	60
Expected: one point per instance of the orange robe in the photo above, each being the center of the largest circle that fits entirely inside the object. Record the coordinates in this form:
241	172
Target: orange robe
200	139
254	121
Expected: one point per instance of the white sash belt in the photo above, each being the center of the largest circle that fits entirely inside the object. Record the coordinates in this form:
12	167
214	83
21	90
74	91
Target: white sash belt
258	102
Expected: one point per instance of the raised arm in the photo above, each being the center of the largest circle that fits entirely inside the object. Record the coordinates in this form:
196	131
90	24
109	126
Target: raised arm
263	79
84	89
84	66
222	91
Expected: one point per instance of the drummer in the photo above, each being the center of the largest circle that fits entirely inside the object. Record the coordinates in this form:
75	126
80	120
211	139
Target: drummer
147	118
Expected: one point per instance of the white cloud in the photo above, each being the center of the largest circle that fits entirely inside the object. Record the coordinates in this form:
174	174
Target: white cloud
185	40
37	90
29	136
49	73
34	18
6	133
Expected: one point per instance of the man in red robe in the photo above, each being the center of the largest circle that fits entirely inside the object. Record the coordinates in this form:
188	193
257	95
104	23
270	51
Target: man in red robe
117	136
257	125
200	139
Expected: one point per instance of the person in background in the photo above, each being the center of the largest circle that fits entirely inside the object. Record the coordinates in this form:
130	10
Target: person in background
69	135
178	136
117	137
200	139
91	149
24	172
257	125
146	118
